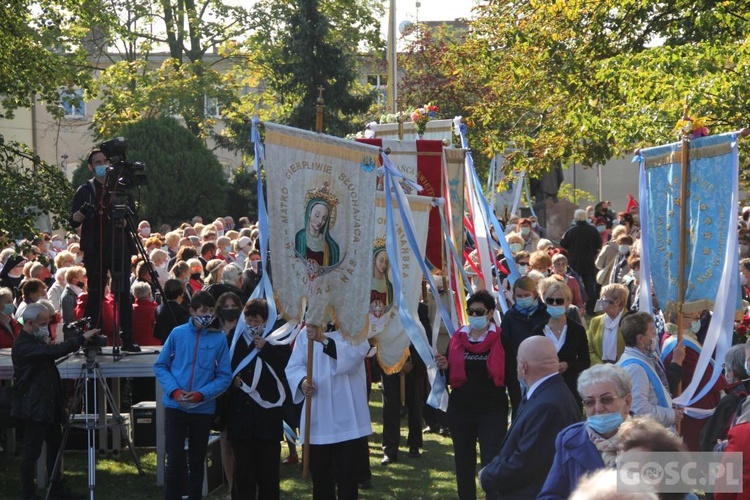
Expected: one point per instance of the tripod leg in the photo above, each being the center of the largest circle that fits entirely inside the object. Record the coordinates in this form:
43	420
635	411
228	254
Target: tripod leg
77	394
118	420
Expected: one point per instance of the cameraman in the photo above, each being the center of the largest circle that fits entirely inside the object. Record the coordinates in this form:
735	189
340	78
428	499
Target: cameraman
100	256
38	395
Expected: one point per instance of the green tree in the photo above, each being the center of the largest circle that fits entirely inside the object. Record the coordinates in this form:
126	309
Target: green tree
297	46
584	81
184	177
30	188
199	36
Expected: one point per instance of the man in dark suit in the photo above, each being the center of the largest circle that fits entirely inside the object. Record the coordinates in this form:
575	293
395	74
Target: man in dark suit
525	458
582	241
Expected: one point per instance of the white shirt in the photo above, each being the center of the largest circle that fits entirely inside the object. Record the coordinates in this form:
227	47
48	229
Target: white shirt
339	403
551	335
536	384
609	340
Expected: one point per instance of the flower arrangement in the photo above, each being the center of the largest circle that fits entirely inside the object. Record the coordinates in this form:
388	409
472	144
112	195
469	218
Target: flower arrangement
741	330
696	127
420	116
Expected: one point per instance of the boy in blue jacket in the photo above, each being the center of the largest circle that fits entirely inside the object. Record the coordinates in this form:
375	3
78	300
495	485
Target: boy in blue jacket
193	368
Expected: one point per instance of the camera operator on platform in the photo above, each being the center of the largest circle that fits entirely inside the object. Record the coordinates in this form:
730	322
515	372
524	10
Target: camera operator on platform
38	401
99	254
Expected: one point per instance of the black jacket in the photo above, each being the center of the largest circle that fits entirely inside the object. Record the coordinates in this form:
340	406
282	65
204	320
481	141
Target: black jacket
96	230
515	328
575	352
245	418
37	392
582	241
168	316
216	290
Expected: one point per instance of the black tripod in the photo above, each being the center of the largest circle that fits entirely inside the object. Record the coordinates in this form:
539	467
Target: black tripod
91	373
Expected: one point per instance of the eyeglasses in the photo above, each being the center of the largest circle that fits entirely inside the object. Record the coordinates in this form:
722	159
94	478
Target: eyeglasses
476	312
558	301
605	400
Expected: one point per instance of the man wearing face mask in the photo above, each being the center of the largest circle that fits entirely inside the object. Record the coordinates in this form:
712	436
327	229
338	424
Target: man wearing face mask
38	396
100	256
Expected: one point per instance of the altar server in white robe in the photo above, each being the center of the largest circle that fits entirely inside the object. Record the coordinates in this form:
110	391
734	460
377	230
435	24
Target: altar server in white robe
340	416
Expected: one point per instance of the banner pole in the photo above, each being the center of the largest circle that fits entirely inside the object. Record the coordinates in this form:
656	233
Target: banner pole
310	345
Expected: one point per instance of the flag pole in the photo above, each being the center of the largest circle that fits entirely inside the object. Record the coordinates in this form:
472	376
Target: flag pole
320	106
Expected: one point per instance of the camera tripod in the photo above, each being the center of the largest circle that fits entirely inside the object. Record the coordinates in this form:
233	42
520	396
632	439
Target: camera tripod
90	375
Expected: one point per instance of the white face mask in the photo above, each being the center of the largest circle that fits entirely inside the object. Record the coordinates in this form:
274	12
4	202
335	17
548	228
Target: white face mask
624	249
79	259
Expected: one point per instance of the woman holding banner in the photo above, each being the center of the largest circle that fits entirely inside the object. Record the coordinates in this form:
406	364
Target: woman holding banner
478	406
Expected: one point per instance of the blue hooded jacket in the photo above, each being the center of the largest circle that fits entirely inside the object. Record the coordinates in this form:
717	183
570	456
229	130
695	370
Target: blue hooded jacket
194	359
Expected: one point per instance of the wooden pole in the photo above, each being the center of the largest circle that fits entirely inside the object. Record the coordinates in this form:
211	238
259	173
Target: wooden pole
308	409
320	106
311	344
685	172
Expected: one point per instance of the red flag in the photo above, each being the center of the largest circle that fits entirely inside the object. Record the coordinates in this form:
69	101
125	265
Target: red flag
631	203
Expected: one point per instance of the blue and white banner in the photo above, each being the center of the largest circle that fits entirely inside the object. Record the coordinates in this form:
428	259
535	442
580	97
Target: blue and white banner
711	212
711	268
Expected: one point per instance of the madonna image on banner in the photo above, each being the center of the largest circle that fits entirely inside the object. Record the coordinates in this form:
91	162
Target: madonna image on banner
321	208
385	324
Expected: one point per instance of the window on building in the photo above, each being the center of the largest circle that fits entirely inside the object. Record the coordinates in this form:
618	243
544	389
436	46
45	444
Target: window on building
72	103
379	81
213	108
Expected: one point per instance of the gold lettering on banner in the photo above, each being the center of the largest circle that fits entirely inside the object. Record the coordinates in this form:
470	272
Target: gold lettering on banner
355	209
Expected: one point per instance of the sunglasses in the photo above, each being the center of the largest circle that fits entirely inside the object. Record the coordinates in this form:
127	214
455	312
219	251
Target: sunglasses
557	302
476	312
605	400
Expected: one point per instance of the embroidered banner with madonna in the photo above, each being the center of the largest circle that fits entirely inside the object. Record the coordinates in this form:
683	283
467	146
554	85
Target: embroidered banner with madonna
386	327
321	210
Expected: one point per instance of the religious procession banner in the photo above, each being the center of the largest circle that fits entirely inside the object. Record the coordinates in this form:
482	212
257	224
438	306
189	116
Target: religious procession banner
437	130
385	325
711	217
321	211
457	192
421	162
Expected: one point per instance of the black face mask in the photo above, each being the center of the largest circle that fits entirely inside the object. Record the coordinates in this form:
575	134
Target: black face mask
230	314
195	276
80	284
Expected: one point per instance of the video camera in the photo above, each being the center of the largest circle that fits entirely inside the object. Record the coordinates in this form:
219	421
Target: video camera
82	326
121	172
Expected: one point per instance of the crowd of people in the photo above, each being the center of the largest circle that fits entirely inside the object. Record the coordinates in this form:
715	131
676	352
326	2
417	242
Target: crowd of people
572	376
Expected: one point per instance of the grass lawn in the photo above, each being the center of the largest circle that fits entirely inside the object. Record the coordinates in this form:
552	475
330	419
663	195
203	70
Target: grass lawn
430	476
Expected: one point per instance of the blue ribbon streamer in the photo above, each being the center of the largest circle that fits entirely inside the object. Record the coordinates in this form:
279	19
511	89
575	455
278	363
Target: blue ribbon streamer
264	288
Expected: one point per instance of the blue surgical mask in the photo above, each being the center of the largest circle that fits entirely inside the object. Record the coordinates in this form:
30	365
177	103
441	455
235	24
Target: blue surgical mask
601	228
525	231
556	311
605	423
522	269
525	303
100	171
524	386
695	326
8	309
478	322
516	247
41	333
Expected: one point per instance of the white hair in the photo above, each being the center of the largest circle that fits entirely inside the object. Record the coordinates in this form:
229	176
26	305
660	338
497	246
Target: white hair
141	290
580	215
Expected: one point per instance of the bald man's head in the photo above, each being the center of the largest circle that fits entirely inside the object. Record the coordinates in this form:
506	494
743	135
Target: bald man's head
537	358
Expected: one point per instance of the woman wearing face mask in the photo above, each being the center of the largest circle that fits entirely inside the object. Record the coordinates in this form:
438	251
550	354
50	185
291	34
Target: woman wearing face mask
620	268
591	445
738	380
687	361
608	254
478	407
526	316
569	337
228	309
9	327
647	373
